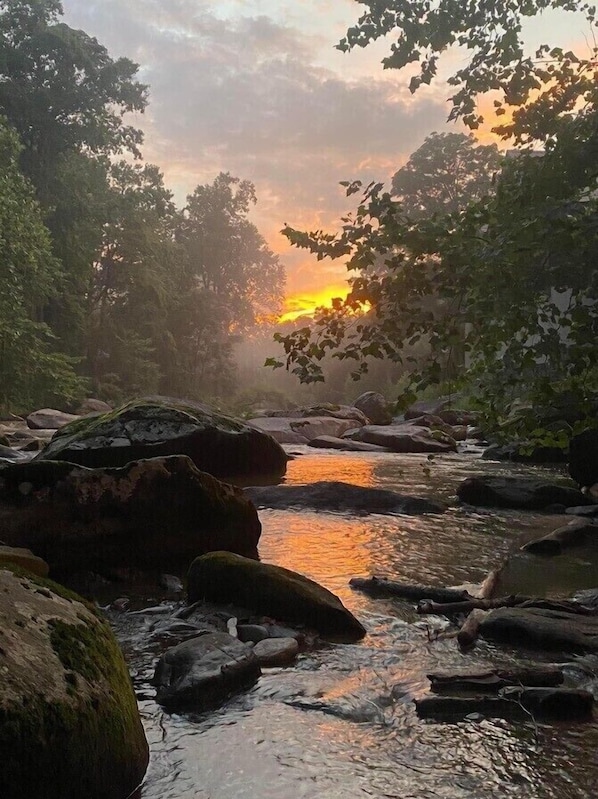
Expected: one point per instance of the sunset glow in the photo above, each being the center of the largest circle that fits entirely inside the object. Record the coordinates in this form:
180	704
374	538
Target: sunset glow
306	303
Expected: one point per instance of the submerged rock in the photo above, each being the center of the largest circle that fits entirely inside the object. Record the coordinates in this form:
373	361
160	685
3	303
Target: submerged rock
525	493
160	426
69	725
156	513
337	496
202	672
273	591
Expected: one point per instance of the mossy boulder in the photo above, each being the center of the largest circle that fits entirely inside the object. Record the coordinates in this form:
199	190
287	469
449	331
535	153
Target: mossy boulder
272	591
156	513
24	558
69	725
157	427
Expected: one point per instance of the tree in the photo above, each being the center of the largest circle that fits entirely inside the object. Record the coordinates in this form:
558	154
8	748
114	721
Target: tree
449	171
32	373
491	32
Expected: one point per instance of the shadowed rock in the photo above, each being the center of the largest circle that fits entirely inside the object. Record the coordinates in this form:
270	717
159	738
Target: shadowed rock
525	493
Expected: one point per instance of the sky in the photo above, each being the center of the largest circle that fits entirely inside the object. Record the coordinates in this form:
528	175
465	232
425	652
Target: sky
256	88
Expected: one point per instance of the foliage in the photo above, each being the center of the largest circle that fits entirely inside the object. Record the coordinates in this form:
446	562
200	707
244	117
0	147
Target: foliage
445	174
491	33
31	371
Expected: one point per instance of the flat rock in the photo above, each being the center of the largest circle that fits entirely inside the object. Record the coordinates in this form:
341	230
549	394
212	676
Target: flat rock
272	591
406	438
337	496
276	651
345	444
203	671
161	426
302	430
525	493
544	629
49	419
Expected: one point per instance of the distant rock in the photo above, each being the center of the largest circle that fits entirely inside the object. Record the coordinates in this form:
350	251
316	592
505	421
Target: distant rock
338	496
69	724
154	514
92	405
525	493
406	438
326	409
433	406
272	591
202	672
49	419
345	444
302	430
375	407
160	426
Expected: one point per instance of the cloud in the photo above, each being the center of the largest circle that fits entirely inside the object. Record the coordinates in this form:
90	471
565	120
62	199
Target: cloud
252	95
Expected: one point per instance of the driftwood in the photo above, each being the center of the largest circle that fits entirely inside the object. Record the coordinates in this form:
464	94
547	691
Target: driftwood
467	605
490	585
492	680
515	702
468	634
381	586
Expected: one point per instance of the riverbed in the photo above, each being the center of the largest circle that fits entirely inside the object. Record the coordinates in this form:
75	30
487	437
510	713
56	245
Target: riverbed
341	723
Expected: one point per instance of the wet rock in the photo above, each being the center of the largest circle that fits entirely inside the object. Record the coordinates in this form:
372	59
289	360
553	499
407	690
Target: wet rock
171	583
151	514
10	455
276	651
160	426
302	430
542	628
69	725
252	633
406	438
272	591
375	407
525	493
337	496
521	453
578	532
345	444
49	419
202	672
583	458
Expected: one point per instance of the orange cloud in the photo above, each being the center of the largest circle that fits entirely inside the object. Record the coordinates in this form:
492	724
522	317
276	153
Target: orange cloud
305	304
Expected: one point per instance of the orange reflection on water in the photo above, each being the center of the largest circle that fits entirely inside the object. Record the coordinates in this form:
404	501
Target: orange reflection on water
356	470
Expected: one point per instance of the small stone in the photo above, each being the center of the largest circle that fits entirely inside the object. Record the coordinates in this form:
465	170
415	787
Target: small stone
276	651
252	633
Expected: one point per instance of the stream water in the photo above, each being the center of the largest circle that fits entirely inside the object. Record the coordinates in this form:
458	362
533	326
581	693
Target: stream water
340	723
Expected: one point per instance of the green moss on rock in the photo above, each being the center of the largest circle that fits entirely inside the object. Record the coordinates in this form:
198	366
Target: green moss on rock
273	591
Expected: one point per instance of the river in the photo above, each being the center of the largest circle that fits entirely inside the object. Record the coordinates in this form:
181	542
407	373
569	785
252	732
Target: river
340	723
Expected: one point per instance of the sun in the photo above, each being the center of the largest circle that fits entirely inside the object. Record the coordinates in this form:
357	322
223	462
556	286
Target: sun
305	304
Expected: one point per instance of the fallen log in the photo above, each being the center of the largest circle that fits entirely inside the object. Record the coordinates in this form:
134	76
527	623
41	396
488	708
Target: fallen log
492	680
381	586
513	703
467	605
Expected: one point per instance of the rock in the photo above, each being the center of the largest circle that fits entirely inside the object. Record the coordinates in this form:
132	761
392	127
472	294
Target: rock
202	672
577	532
520	453
544	629
157	427
337	496
375	407
69	724
301	431
10	455
345	444
49	419
430	421
456	417
583	458
91	405
428	406
276	651
25	559
252	632
583	510
272	591
151	514
324	409
406	438
525	493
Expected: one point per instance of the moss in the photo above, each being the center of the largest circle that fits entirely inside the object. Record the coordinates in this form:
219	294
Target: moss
45	582
90	743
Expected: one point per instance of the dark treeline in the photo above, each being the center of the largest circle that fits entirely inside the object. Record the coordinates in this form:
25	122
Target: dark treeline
107	287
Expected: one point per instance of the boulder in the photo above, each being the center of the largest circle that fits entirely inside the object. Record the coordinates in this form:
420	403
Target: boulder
525	493
337	496
542	628
272	591
406	438
10	455
92	405
345	444
521	452
433	406
276	651
578	532
157	427
302	430
25	559
430	421
375	407
203	671
49	419
327	409
69	725
583	458
151	514
456	417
